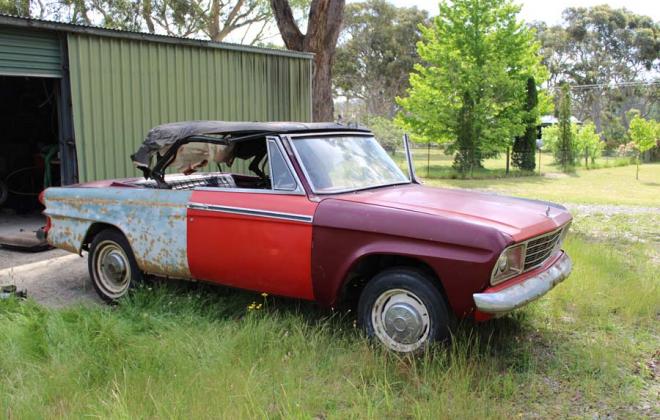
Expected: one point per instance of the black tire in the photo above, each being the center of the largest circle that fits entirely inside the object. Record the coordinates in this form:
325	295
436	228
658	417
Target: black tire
403	310
112	266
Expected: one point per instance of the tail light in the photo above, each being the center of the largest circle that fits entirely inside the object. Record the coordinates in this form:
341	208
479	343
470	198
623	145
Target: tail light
44	230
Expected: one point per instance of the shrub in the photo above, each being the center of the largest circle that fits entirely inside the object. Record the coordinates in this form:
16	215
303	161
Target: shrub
387	133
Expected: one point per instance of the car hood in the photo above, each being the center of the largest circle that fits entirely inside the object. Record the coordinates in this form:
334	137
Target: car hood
520	218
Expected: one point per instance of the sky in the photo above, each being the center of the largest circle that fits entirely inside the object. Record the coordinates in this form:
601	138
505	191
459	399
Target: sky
549	11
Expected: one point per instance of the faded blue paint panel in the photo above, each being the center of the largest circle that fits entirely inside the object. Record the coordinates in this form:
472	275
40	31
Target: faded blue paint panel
153	221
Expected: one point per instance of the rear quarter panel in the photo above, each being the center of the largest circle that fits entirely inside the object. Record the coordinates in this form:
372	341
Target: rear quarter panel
153	221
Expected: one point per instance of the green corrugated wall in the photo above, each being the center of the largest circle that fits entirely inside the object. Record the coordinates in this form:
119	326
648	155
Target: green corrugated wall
29	53
121	88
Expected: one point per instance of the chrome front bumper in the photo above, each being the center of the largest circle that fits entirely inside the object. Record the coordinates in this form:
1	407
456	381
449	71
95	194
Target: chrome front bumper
526	291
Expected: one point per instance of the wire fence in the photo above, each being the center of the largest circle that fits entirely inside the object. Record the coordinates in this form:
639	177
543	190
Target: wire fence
434	161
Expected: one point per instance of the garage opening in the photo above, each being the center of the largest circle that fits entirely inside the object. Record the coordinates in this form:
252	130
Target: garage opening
29	161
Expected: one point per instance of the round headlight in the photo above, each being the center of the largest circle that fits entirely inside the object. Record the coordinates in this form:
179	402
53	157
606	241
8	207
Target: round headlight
502	262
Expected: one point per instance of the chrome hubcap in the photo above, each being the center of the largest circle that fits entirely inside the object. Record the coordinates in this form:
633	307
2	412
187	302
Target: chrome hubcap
112	268
403	323
400	320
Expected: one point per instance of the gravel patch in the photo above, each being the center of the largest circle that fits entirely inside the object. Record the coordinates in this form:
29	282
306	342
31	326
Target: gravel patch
589	209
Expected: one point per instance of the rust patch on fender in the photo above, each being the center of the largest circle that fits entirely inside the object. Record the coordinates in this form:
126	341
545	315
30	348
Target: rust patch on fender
153	221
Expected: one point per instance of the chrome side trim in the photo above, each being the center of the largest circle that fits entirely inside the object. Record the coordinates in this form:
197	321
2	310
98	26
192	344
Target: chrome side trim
252	212
248	190
526	291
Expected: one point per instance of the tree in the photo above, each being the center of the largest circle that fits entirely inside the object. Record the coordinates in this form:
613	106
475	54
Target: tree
15	7
587	143
376	53
213	19
386	132
644	133
323	25
599	47
525	145
470	90
564	153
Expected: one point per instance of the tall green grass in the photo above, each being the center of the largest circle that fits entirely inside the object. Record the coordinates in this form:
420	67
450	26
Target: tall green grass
191	351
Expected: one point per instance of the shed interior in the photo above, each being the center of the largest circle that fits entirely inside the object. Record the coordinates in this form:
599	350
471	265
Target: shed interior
29	157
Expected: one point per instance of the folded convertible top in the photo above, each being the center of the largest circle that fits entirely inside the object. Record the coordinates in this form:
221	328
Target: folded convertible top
163	136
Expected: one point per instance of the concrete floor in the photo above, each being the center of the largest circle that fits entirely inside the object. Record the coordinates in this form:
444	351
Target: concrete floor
54	281
53	277
15	224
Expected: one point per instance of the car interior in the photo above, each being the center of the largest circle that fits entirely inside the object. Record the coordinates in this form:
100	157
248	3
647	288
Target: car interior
242	165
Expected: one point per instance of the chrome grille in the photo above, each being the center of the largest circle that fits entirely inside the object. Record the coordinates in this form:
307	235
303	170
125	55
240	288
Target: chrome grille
541	247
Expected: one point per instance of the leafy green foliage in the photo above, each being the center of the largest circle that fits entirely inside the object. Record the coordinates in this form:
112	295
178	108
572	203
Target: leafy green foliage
389	135
524	146
588	143
15	7
585	143
213	19
470	90
376	53
564	152
601	45
645	135
550	137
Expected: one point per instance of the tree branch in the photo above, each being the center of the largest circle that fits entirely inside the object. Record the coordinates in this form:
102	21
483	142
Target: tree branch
291	35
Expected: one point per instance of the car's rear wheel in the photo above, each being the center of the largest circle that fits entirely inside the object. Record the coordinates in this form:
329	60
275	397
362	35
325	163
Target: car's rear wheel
112	265
403	309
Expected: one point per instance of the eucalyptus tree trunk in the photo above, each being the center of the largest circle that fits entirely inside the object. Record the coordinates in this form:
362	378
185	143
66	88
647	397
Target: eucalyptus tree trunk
323	26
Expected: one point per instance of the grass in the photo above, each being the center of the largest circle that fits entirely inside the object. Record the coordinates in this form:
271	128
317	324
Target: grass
586	349
615	185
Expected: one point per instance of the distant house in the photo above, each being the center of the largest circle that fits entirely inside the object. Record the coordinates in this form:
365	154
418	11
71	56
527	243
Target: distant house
547	120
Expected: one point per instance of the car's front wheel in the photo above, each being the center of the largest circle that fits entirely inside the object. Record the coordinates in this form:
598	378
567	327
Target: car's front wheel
403	309
112	266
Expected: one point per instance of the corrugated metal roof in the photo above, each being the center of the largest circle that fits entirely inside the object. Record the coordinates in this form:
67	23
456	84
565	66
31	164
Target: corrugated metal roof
41	24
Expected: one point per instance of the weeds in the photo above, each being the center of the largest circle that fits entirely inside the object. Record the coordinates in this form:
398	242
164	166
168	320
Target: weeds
188	350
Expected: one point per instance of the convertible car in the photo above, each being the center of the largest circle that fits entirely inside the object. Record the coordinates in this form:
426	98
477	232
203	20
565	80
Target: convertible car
312	211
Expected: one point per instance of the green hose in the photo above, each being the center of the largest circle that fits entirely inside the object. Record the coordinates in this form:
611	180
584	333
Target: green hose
48	154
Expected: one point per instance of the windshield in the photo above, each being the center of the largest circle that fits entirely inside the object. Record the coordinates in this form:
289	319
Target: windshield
347	163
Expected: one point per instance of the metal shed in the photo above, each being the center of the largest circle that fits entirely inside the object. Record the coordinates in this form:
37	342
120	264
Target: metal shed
108	87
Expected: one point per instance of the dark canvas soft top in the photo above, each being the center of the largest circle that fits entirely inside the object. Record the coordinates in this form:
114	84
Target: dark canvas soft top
165	135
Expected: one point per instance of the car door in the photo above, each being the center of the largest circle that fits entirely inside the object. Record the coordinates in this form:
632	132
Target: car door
257	239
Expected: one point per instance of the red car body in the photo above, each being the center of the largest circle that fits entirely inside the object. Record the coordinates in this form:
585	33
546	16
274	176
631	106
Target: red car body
317	246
